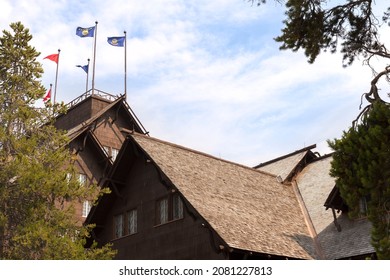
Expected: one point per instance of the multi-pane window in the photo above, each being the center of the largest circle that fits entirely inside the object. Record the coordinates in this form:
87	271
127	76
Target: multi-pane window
177	207
132	221
86	208
114	153
111	152
119	229
126	223
68	177
82	179
162	205
169	208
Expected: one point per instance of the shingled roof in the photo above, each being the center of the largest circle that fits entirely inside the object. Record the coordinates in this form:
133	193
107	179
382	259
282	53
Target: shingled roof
315	184
285	166
247	208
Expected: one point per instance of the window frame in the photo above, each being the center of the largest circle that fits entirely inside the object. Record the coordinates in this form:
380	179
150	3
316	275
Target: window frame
177	207
132	228
117	226
87	205
174	209
126	228
162	217
82	179
111	152
114	153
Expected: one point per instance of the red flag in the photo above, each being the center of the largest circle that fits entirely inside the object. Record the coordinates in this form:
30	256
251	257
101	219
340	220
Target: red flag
47	96
52	57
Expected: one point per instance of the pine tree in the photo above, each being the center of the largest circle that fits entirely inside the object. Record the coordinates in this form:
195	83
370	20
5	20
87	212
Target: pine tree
36	216
361	165
361	160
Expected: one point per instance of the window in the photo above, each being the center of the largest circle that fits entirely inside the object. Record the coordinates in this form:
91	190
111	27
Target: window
177	204
86	208
82	179
111	152
163	211
68	177
114	153
132	221
126	223
169	208
118	226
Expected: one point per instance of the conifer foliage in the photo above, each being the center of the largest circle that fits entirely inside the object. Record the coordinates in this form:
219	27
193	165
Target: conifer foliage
361	164
36	216
323	25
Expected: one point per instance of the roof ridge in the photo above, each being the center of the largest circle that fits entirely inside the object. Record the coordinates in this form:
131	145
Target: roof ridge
286	156
200	153
323	157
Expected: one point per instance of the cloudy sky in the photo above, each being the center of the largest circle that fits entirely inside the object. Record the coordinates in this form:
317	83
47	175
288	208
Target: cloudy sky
204	74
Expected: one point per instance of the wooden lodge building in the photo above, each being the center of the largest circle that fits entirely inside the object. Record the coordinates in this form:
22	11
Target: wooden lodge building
96	124
172	202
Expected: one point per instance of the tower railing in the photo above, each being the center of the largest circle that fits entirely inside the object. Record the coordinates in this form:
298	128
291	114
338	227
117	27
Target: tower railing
108	97
89	93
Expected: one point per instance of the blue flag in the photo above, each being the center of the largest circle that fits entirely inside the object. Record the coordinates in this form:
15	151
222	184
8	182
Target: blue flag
85	32
85	67
116	41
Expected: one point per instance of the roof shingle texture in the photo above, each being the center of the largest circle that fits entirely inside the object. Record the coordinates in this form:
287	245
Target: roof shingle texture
284	167
248	208
315	184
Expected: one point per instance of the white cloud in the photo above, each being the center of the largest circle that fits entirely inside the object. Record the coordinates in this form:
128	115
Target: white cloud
204	74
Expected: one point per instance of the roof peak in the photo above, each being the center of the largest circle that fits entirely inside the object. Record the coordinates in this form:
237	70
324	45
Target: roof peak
286	156
147	136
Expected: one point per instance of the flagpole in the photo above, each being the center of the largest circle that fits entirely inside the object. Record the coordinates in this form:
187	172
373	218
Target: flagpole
86	84
125	67
94	59
51	85
55	84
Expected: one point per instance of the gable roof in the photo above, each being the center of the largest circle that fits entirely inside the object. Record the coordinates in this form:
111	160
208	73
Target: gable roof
284	166
247	208
80	128
106	102
315	184
335	200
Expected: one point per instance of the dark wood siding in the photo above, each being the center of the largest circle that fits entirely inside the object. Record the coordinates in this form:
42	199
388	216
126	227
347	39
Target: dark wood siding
185	238
108	132
90	163
81	112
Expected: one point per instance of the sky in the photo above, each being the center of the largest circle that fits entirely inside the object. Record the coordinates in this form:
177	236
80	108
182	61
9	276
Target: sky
207	75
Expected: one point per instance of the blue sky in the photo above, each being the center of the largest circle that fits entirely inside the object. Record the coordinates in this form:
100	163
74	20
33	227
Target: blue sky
203	74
